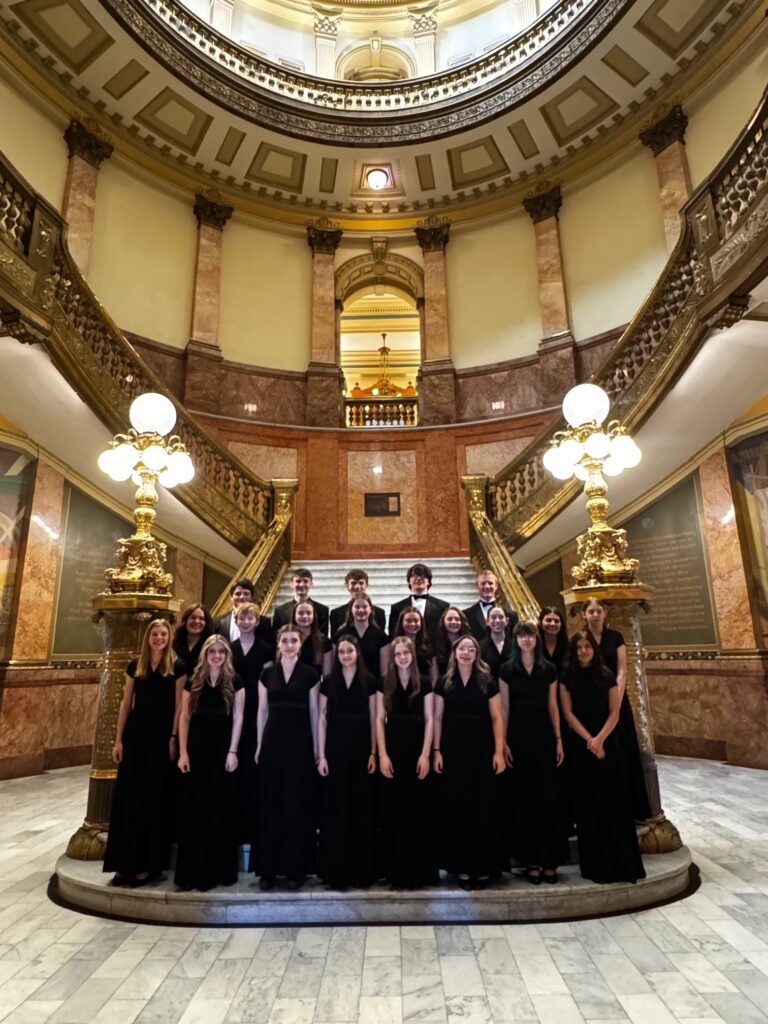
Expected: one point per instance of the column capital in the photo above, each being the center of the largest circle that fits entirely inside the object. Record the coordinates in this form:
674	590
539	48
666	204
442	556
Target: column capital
323	237
208	211
423	19
433	234
544	205
669	129
84	143
327	20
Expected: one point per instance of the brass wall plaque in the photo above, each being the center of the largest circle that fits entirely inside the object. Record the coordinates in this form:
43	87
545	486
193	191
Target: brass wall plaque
382	503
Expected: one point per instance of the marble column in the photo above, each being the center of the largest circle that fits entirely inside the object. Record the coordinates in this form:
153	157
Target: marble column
666	140
326	27
557	350
437	377
325	406
87	152
220	15
424	25
203	354
37	587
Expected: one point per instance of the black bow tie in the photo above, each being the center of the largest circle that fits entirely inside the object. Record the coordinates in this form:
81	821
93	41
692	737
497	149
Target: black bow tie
487	604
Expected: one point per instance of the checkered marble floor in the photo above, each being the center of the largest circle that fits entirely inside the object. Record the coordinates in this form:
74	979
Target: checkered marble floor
703	959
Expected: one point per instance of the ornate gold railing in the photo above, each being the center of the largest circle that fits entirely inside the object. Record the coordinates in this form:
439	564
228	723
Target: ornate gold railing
722	252
43	298
271	555
385	412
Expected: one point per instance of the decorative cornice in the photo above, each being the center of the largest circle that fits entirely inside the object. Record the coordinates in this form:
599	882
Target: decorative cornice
208	211
327	20
323	237
544	205
84	143
423	19
664	132
433	234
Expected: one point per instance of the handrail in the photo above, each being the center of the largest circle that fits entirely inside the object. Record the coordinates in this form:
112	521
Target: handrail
44	298
722	252
487	551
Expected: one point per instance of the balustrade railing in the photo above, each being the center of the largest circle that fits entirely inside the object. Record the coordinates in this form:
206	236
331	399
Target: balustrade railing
386	412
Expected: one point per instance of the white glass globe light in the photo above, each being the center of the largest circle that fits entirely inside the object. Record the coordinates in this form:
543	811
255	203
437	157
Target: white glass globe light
155	457
597	445
168	478
106	461
612	466
182	467
152	412
556	464
126	456
626	451
377	178
584	403
136	479
581	472
571	450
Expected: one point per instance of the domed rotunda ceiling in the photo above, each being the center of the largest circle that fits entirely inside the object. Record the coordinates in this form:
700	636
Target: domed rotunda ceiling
225	96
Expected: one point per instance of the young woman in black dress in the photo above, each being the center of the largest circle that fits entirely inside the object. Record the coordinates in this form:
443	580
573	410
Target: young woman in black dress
371	640
410	623
249	657
209	732
468	755
605	823
613	652
404	727
498	646
453	625
193	630
346	758
286	751
554	636
316	648
534	752
146	747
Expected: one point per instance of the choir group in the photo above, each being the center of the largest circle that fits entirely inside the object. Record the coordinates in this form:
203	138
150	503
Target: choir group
461	740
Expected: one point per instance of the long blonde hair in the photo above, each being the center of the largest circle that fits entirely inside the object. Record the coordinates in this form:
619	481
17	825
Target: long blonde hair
144	660
202	674
392	678
480	669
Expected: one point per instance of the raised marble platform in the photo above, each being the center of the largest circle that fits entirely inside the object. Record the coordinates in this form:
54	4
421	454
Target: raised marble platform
83	885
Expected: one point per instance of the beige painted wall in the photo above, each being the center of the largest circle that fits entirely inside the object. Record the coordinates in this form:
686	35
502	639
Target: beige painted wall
493	305
32	140
143	256
612	241
266	296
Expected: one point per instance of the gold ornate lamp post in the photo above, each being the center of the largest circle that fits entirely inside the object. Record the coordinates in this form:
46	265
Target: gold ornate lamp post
591	452
138	590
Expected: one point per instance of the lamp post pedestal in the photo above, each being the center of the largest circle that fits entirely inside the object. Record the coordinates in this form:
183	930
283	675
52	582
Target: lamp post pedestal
625	601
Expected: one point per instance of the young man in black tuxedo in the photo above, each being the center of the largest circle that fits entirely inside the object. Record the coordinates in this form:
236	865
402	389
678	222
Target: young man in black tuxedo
241	592
419	578
477	613
356	582
301	584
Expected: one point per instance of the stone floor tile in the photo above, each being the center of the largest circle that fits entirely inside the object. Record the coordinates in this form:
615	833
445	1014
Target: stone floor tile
644	1008
593	996
423	998
292	1011
338	998
380	1010
383	940
382	976
558	1009
461	976
467	1010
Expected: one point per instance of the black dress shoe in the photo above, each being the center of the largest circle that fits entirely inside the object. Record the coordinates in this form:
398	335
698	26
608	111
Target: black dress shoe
265	884
533	875
296	883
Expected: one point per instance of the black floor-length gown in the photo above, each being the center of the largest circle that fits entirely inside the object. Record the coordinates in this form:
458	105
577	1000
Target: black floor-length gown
140	829
534	818
249	668
287	778
370	644
610	642
602	800
348	853
410	855
471	795
207	852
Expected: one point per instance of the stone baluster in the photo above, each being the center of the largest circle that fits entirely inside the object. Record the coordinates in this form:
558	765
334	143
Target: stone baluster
87	152
324	377
666	140
557	365
437	377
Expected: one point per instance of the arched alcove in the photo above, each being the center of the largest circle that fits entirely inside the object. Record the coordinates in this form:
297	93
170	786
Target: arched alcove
375	61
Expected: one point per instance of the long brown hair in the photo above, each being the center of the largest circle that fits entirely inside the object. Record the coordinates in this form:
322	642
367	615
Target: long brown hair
314	631
443	643
422	644
349	621
202	674
392	678
480	669
144	660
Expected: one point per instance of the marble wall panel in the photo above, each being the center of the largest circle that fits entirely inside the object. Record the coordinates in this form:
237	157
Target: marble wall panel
70	716
721	538
79	209
37	592
398	474
188	578
517	385
674	188
165	361
323	308
205	301
490	456
267	461
554	308
23	721
590	354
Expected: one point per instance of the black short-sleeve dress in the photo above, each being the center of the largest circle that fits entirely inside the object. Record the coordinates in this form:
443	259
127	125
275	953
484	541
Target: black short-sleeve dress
207	853
140	826
370	644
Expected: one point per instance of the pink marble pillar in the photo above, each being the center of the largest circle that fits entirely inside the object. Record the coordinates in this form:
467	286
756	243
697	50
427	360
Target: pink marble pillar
87	152
188	579
437	377
557	351
666	140
37	589
325	407
726	561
